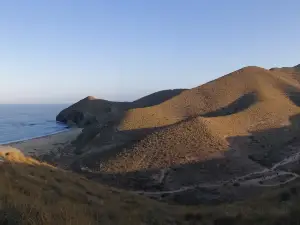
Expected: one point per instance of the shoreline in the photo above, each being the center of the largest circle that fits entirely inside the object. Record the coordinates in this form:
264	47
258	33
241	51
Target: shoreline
33	138
47	144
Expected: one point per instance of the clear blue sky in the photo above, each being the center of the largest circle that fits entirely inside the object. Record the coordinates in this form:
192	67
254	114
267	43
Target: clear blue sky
55	51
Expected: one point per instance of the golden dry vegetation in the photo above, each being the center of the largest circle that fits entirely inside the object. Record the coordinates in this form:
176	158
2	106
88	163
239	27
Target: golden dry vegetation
237	124
35	193
205	123
32	192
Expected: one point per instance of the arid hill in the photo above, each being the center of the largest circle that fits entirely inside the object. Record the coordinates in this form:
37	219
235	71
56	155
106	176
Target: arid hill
91	110
234	138
287	69
33	192
215	132
156	98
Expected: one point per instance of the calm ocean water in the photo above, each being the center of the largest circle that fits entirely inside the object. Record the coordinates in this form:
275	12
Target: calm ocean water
21	122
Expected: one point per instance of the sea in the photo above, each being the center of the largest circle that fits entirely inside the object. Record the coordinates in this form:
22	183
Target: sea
23	122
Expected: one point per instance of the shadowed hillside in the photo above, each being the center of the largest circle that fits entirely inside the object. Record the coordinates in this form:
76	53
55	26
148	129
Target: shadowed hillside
36	193
230	147
215	95
92	111
190	138
156	98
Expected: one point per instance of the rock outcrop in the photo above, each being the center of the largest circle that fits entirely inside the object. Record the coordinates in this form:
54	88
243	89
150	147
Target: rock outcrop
90	111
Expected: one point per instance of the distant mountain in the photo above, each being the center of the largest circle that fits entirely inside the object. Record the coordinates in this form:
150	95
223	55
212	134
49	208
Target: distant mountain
88	110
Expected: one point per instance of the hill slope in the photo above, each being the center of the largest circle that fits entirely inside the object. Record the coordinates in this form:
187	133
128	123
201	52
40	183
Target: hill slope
91	110
32	192
210	126
215	95
36	193
225	128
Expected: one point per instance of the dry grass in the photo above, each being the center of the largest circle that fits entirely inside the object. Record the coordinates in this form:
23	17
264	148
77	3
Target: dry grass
166	148
34	193
247	100
196	126
214	120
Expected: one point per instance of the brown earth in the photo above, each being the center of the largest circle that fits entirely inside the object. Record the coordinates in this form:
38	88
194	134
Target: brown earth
217	131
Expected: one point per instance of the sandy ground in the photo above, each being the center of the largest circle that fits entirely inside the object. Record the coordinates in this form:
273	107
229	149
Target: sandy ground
47	144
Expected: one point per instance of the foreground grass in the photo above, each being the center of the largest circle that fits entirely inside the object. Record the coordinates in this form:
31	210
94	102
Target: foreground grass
33	193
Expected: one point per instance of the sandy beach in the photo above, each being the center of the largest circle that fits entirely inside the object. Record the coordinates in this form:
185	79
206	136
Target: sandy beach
51	144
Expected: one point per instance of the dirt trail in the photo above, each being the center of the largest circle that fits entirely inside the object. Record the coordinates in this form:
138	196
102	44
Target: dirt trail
260	178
